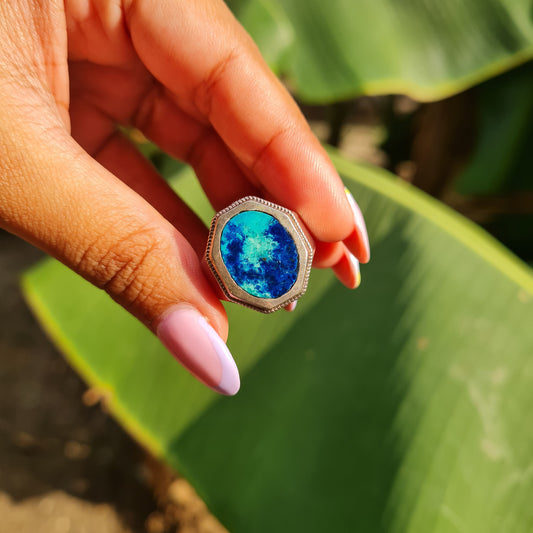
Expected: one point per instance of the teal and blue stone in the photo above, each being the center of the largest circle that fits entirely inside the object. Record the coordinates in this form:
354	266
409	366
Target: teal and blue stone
260	254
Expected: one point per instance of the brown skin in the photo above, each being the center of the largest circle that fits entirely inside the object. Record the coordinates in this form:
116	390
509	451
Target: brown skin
189	77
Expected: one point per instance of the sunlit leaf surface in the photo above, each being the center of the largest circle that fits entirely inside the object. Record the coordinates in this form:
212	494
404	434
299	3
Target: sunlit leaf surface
335	49
403	406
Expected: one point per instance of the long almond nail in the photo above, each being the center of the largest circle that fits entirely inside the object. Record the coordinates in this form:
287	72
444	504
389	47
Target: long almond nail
354	263
347	271
196	345
358	242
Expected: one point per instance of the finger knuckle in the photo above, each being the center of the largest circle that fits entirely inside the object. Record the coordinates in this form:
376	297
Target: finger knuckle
125	269
206	89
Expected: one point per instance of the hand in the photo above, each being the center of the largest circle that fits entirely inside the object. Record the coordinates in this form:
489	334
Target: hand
189	77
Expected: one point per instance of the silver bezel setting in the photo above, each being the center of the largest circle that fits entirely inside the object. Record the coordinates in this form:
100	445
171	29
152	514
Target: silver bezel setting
291	222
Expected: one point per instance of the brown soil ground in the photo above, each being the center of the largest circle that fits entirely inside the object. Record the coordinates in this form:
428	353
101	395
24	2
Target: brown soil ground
66	467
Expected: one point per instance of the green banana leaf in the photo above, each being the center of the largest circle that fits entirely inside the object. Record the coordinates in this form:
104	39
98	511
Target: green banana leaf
403	406
342	48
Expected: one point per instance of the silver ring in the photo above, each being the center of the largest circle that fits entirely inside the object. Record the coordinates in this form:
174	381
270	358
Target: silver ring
260	254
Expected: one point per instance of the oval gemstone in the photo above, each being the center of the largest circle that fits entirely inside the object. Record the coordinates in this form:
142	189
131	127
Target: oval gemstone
260	254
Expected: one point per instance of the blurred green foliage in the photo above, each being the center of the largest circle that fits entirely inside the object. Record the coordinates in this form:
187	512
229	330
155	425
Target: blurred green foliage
339	49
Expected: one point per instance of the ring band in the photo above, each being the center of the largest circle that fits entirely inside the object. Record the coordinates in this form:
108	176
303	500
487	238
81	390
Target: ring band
260	254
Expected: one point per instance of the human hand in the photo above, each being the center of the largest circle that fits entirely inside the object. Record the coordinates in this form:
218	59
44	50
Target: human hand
190	78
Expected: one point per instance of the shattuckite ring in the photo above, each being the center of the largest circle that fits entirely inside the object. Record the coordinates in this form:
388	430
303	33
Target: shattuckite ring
260	254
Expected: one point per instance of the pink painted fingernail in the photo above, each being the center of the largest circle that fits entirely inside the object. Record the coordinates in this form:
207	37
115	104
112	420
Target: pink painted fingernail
359	245
347	271
291	306
186	334
354	264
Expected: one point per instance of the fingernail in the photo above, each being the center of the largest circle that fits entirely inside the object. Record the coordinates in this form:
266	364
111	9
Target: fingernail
186	334
291	306
359	243
347	271
354	264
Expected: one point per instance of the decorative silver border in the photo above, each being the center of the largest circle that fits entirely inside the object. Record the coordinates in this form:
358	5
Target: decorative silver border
291	222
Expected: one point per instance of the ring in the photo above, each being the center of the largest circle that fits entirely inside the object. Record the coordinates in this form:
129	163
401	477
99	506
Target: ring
260	254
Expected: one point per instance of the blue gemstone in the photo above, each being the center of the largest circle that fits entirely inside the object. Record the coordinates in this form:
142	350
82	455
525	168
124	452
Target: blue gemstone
260	254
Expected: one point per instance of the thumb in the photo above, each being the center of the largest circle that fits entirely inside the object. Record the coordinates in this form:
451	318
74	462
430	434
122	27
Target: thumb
60	199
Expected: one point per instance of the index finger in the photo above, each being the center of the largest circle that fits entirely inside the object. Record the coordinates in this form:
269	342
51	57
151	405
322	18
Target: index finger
202	54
